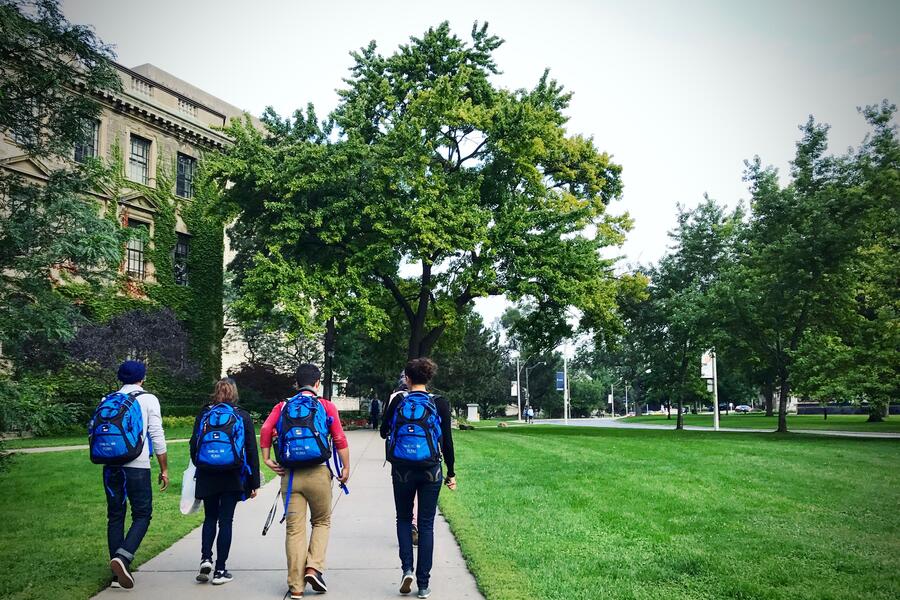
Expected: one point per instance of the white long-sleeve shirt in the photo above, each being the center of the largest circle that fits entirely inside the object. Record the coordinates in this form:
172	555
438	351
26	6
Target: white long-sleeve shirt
153	427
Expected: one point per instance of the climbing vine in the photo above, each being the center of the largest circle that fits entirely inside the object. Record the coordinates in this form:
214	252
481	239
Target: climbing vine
198	305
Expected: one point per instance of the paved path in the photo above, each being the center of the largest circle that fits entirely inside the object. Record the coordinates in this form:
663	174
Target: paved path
362	554
619	424
67	448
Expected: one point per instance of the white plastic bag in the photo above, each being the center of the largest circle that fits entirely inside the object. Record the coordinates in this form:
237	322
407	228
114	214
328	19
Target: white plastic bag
189	504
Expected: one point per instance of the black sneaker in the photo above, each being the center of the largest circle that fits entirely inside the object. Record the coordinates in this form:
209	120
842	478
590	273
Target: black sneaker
316	581
415	535
114	584
120	569
220	577
206	568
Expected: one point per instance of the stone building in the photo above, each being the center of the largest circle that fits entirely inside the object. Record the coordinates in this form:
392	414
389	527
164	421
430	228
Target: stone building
158	128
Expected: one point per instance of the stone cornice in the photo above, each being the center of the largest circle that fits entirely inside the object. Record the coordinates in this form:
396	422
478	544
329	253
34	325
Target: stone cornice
164	119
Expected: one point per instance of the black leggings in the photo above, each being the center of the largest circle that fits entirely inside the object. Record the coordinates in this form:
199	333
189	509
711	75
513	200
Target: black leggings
219	511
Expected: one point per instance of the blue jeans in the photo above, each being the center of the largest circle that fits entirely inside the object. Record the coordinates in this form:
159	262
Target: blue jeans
219	511
127	485
408	484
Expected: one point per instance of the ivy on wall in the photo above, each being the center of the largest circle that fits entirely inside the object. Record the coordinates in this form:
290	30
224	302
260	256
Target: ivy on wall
197	305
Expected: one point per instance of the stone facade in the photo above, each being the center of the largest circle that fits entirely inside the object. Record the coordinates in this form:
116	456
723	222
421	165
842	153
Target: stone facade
155	122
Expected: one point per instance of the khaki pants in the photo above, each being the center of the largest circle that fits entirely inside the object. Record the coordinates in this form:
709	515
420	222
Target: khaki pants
312	486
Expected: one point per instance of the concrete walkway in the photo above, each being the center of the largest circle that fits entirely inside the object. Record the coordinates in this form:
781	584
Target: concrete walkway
362	554
619	424
44	449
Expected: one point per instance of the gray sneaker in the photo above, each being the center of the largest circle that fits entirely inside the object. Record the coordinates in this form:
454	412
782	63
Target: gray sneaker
406	582
424	592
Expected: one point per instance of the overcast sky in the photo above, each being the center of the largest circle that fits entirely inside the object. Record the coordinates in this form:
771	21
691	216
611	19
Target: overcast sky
680	93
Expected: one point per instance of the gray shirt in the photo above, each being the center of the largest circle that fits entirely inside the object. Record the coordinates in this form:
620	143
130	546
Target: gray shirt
153	427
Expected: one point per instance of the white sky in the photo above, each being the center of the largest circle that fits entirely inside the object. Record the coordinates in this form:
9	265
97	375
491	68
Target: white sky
679	92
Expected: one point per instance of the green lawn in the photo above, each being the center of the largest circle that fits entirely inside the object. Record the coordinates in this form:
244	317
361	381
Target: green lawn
761	421
53	525
579	513
172	433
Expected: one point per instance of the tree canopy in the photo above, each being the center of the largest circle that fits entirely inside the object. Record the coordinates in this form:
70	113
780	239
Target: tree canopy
433	183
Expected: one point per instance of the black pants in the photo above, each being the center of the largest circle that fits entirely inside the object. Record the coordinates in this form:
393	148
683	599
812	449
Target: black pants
127	485
374	419
426	483
219	512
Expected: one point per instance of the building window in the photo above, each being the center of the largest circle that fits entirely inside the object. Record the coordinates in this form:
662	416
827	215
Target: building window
188	108
135	265
139	160
182	246
141	86
184	184
87	145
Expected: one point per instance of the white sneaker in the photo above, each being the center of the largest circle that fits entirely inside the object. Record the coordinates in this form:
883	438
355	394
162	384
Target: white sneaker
206	568
406	583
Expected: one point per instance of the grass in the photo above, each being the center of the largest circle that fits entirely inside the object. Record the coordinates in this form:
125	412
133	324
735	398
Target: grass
761	421
53	525
578	513
172	433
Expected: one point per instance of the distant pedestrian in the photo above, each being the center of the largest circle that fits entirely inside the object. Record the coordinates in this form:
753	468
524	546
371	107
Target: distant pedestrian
529	414
125	430
417	427
374	412
223	447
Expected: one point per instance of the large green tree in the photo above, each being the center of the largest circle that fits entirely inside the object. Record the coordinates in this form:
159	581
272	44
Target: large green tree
434	184
799	241
854	354
51	230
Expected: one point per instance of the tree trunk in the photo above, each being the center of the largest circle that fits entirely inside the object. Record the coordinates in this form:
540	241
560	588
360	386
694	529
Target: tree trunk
418	318
783	394
328	379
668	409
824	413
877	412
769	393
679	423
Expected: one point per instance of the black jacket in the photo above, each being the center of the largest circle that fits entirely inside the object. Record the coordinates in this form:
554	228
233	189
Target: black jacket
443	409
211	483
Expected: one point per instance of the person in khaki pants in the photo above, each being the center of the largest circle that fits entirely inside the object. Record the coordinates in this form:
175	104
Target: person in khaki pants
311	488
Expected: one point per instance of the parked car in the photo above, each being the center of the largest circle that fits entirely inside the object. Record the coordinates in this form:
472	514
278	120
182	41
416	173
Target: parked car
743	408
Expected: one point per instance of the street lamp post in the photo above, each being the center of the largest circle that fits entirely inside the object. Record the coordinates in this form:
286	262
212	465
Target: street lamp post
527	385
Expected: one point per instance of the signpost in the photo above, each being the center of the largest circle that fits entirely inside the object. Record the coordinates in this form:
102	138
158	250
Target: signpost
708	372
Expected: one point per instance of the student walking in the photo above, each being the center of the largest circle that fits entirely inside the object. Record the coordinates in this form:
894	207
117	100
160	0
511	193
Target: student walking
125	429
417	428
223	447
374	413
306	475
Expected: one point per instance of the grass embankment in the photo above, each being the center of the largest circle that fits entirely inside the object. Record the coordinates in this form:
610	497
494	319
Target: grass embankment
53	524
761	421
577	513
176	432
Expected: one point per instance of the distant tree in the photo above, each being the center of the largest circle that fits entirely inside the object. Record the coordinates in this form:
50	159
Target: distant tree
675	321
262	383
854	355
788	275
474	372
428	166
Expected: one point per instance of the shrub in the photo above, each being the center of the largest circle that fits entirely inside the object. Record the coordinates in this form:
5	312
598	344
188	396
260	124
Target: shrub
30	407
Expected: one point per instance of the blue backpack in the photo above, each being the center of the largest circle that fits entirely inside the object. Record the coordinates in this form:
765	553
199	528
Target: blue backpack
220	439
116	429
415	432
303	435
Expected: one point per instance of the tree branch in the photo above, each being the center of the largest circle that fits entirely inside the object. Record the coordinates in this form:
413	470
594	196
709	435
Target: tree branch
391	286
